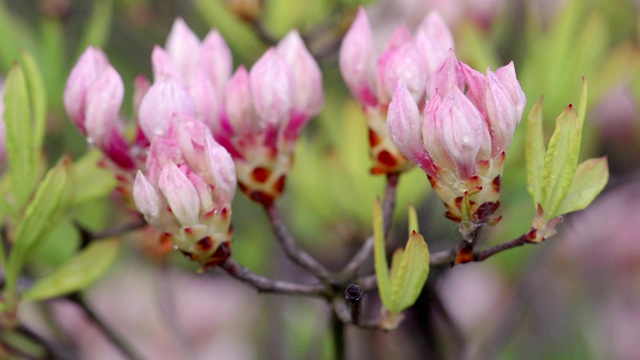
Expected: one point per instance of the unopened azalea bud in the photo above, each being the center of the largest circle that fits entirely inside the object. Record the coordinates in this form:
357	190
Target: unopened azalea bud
372	81
188	190
404	125
183	46
469	121
271	89
433	40
240	111
215	58
163	65
93	97
164	99
403	63
87	70
455	135
308	97
357	59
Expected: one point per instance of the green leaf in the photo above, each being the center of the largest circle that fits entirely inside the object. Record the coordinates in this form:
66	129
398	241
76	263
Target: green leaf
590	178
37	97
535	153
92	180
396	260
46	208
582	105
78	273
411	274
380	256
560	161
21	156
99	26
413	220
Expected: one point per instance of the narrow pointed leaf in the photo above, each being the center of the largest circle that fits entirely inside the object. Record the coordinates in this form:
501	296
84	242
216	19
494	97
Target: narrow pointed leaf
413	220
396	260
80	272
37	97
590	178
560	161
582	106
535	152
380	257
46	208
20	139
411	274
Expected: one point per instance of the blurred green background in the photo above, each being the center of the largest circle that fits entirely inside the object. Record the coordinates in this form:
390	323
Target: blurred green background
560	299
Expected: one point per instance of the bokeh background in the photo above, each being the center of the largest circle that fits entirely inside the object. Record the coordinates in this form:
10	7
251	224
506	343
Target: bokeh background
577	295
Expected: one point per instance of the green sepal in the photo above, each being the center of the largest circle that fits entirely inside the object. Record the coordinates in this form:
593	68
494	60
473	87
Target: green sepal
78	273
560	161
535	152
411	274
380	257
590	178
92	180
21	155
48	205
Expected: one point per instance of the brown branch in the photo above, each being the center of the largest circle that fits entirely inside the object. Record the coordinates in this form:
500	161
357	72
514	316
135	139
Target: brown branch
87	236
266	285
288	244
387	212
484	254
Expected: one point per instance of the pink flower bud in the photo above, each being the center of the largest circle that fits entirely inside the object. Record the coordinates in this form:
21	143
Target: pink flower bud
357	59
215	58
507	77
433	40
181	195
404	125
87	70
240	111
164	99
308	97
93	97
183	47
447	76
463	135
271	89
404	64
146	198
163	65
188	190
206	100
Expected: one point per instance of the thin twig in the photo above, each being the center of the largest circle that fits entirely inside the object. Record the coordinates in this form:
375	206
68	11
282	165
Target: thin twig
109	333
448	257
266	285
288	244
519	241
343	313
387	212
87	236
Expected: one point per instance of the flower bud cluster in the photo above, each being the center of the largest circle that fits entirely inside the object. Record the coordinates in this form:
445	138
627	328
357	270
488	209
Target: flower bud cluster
410	58
461	138
194	121
187	190
265	110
